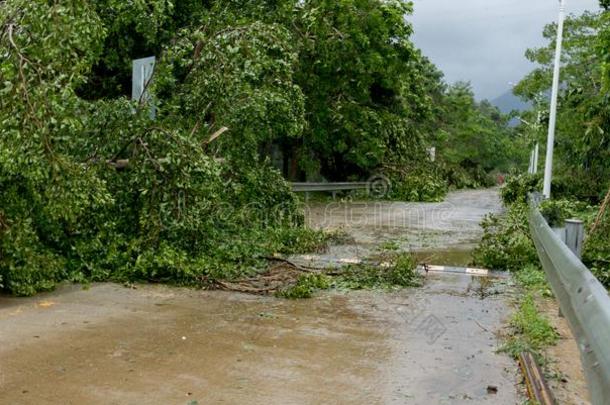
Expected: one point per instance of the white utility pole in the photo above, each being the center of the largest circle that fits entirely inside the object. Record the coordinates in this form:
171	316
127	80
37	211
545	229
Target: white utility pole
548	169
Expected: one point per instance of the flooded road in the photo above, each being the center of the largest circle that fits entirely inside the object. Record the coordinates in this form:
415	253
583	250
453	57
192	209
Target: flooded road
451	223
161	345
438	233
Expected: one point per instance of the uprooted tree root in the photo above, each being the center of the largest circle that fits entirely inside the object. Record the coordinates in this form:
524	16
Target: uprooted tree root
289	280
278	277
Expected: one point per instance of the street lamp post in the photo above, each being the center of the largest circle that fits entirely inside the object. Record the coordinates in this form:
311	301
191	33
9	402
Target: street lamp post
548	168
535	151
537	146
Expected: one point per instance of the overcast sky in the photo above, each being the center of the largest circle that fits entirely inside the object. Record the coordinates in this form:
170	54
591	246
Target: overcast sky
484	41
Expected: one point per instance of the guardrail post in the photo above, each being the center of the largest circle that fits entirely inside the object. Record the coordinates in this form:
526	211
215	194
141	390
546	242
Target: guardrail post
575	235
561	232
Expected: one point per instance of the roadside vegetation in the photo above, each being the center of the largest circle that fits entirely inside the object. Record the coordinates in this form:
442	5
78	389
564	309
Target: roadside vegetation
530	331
581	182
507	244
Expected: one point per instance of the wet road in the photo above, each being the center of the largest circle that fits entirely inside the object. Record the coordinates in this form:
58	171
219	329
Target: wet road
162	345
442	233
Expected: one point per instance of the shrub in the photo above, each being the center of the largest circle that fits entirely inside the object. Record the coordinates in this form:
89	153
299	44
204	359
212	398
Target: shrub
596	252
424	183
518	186
553	213
506	242
558	210
577	184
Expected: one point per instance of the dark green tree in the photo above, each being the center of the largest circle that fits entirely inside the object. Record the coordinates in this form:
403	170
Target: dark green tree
583	123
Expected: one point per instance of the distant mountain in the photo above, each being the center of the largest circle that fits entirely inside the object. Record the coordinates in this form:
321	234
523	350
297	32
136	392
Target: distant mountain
508	102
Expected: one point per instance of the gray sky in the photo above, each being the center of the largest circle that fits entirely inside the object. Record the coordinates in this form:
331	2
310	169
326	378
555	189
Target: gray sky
484	41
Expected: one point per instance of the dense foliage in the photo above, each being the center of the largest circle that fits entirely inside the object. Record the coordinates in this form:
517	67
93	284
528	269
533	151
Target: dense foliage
582	153
596	252
475	141
175	212
92	189
519	186
507	244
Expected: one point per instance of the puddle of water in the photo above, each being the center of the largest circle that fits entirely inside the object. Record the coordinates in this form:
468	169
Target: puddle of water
457	258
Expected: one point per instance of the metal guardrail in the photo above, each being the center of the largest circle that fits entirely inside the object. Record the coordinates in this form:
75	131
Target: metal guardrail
310	187
583	301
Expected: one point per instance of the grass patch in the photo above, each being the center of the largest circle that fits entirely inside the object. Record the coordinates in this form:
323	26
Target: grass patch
533	279
531	331
389	245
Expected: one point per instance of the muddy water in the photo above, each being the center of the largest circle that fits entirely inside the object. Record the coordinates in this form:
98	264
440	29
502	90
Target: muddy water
448	257
162	345
158	345
447	231
418	226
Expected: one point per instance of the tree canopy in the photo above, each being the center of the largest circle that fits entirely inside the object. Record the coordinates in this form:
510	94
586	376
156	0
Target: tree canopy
583	145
